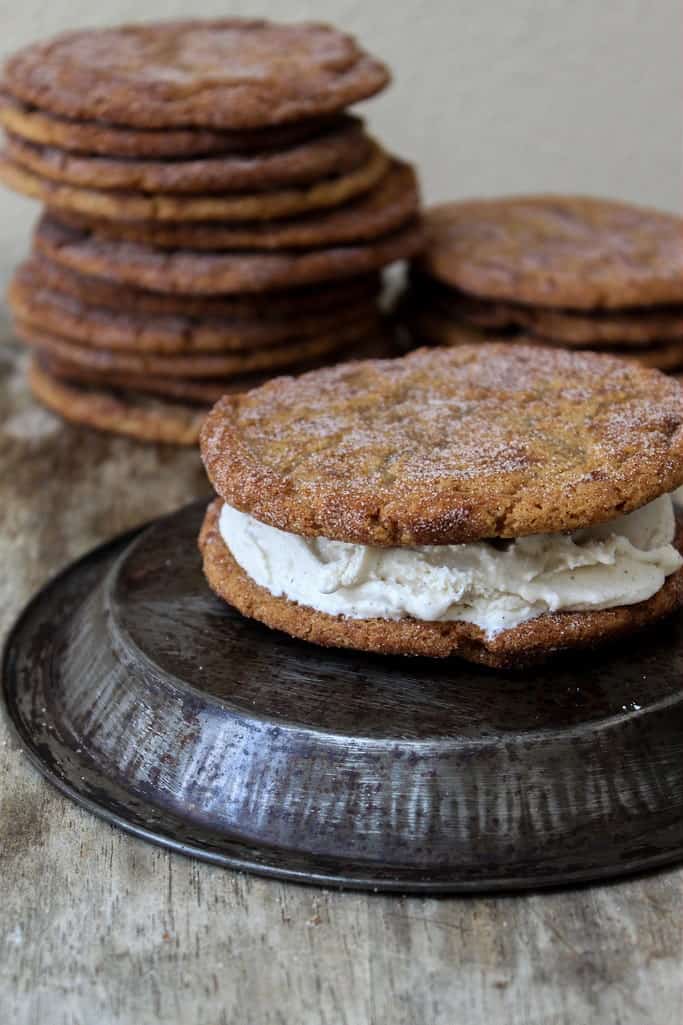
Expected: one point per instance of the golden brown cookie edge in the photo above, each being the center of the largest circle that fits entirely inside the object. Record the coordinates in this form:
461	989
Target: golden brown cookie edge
533	641
114	413
366	517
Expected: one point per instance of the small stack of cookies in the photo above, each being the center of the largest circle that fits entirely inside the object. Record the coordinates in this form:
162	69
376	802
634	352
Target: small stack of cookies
213	213
568	271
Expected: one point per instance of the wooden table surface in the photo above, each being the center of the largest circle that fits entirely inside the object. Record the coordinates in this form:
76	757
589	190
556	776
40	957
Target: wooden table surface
98	928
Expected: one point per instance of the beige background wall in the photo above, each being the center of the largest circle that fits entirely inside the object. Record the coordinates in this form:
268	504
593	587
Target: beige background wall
489	96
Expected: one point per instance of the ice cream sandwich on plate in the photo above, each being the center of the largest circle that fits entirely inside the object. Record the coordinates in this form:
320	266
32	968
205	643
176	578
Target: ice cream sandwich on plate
498	503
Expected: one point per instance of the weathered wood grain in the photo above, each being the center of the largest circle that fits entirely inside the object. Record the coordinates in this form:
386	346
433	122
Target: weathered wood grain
99	929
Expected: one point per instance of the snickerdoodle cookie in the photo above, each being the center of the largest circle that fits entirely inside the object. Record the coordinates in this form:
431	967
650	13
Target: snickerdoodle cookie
498	502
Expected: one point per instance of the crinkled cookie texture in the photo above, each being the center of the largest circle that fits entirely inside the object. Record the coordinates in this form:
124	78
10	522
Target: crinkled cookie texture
332	153
284	304
558	251
529	642
109	140
194	364
232	73
205	390
191	272
430	327
123	402
393	202
65	315
448	446
170	206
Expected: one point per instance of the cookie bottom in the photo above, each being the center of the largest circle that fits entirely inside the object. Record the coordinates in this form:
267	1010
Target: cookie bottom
533	641
152	407
129	413
586	328
436	329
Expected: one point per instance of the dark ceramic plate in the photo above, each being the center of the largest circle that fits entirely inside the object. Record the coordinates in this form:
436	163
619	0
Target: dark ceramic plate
148	701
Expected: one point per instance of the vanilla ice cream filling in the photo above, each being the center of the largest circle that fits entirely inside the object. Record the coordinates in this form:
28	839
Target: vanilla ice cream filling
495	585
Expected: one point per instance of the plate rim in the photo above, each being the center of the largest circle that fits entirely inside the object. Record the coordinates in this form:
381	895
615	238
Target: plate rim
400	882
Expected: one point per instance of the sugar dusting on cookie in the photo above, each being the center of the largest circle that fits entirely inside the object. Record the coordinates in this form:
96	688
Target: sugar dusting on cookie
449	446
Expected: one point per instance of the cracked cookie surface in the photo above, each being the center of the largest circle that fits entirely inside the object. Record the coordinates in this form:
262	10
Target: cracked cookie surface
449	446
232	73
556	251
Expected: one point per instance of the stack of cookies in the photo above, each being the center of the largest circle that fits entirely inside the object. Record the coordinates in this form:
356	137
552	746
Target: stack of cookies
213	213
566	271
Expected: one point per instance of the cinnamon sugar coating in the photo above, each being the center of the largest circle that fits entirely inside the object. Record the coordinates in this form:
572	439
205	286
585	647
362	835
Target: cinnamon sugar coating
89	324
557	251
169	206
449	445
393	202
333	153
111	140
195	273
233	73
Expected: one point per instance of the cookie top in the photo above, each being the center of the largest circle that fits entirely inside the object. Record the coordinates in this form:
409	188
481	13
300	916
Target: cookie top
570	251
232	73
449	446
331	153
